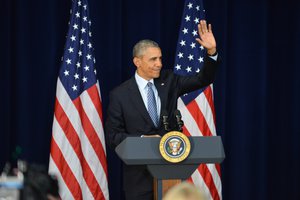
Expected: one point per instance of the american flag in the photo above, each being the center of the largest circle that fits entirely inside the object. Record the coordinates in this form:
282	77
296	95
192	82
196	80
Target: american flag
78	154
197	108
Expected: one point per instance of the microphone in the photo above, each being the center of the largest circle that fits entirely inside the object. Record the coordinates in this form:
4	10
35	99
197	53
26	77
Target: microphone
178	120
165	122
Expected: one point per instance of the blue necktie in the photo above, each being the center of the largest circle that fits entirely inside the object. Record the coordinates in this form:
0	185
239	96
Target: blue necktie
152	108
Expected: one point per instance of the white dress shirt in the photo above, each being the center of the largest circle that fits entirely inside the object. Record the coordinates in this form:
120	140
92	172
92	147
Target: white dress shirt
142	84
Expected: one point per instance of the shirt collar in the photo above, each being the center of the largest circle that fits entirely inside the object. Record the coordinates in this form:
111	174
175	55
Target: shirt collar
142	83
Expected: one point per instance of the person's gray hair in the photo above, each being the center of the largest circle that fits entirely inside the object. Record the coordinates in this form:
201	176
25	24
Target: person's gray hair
141	46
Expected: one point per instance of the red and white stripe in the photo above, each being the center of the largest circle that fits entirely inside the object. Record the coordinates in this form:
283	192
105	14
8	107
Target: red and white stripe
78	154
199	119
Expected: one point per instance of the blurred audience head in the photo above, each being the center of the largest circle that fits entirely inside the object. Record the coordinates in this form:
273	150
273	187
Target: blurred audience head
184	191
39	185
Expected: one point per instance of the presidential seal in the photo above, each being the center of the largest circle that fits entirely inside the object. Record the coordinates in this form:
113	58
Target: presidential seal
174	146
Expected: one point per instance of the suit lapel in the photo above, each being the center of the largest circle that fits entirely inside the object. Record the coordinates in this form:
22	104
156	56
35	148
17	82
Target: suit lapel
137	100
161	90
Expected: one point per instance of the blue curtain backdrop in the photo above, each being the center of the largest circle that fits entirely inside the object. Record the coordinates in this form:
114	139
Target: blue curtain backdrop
257	91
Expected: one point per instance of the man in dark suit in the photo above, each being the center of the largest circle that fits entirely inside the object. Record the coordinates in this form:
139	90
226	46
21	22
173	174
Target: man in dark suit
136	105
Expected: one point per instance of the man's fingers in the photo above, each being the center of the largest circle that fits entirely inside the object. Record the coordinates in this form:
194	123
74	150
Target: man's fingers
209	28
203	26
198	40
152	135
200	31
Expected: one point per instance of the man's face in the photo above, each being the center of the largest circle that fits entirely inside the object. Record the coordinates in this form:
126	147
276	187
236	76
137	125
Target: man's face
149	64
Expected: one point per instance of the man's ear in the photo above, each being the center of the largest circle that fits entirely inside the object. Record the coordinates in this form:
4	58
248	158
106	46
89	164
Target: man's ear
136	61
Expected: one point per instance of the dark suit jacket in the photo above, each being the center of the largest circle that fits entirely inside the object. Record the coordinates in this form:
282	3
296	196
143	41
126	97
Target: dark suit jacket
128	116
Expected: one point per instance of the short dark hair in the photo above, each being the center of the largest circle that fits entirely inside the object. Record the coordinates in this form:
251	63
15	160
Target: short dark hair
141	46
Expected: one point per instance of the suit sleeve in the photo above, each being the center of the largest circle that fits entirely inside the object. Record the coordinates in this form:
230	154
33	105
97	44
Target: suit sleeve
206	76
115	125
